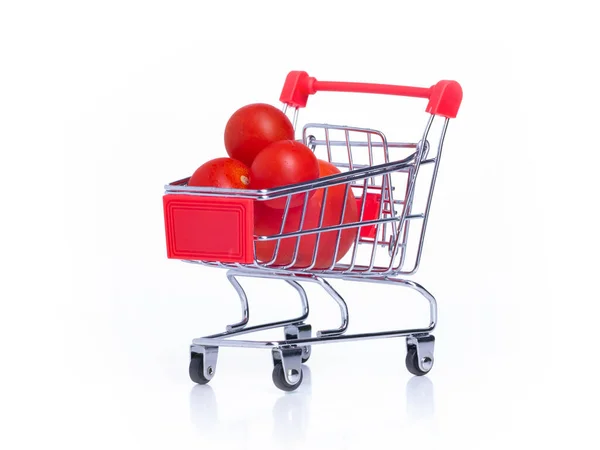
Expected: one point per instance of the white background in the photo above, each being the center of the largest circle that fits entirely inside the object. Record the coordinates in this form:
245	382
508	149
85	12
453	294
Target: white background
103	103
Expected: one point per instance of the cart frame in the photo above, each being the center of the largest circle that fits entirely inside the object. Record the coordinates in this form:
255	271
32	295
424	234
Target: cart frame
389	228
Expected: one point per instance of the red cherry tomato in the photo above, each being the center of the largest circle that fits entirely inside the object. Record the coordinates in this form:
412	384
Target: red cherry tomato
223	173
283	163
252	128
267	221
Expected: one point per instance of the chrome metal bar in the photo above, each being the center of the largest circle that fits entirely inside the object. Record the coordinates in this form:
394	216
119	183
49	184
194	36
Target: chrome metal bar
267	194
309	142
380	242
321	218
374	251
217	341
327	143
244	301
366	144
342	305
295	120
425	150
339	272
300	226
294	281
328	126
392	210
429	197
329	228
339	232
370	146
322	338
281	229
404	228
252	329
349	149
384	201
392	232
400	245
415	171
250	273
361	218
303	297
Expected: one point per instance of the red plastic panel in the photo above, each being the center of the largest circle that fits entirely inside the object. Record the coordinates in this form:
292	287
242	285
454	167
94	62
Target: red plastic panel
209	228
371	212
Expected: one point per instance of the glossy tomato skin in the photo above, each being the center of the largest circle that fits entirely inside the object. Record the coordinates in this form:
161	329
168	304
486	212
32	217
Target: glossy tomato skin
283	163
222	173
267	221
252	128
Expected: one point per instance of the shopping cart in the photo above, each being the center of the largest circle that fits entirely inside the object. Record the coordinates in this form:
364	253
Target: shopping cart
393	184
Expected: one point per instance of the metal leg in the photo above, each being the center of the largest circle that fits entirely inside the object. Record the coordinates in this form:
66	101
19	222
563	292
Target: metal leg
241	327
244	301
415	287
289	354
221	339
341	303
231	276
303	296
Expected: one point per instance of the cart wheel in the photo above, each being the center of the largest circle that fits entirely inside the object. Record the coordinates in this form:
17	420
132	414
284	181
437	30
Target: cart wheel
281	382
197	369
306	354
412	363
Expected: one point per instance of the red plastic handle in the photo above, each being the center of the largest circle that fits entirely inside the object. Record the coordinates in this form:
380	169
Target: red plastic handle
444	97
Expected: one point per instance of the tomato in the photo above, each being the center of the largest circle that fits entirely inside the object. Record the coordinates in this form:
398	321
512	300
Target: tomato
283	163
223	173
252	128
267	221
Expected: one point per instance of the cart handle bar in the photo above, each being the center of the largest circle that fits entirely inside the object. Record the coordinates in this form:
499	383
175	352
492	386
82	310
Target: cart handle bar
444	97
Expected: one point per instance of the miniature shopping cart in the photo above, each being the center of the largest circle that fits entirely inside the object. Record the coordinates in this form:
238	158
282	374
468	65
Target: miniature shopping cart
393	184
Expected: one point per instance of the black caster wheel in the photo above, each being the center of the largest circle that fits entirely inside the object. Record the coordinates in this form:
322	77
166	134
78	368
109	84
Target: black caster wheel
412	363
197	369
280	381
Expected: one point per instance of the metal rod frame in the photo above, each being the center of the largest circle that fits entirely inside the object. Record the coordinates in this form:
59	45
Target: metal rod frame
361	176
324	336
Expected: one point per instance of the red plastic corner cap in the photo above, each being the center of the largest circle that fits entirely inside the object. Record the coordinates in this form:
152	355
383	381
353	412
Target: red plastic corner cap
296	89
445	99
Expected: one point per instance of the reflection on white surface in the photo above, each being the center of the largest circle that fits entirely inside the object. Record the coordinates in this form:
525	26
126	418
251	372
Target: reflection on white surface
204	413
420	405
291	413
